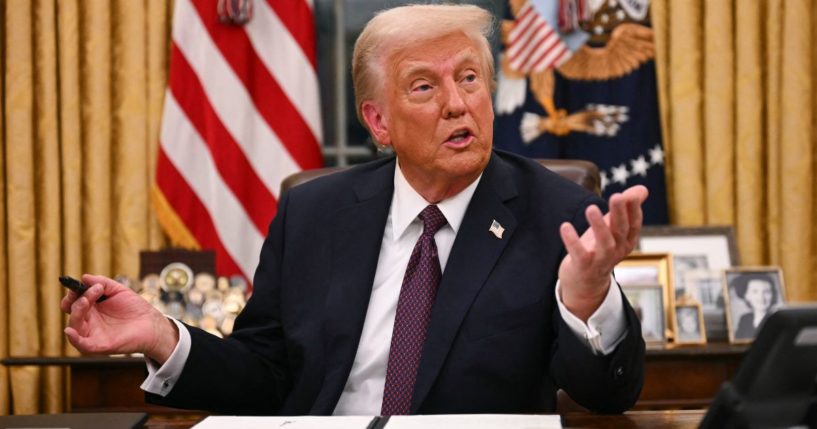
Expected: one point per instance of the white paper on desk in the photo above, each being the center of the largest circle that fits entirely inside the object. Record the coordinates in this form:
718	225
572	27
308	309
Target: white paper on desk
476	421
295	422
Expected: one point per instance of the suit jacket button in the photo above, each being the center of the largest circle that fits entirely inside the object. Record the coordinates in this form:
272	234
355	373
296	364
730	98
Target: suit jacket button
619	373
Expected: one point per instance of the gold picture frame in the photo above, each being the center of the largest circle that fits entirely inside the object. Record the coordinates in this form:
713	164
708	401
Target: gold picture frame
744	285
646	280
689	324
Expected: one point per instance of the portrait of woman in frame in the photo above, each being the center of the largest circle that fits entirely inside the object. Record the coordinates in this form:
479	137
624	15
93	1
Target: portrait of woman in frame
752	294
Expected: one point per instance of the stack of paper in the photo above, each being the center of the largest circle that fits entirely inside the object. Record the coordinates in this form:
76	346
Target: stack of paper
295	422
475	421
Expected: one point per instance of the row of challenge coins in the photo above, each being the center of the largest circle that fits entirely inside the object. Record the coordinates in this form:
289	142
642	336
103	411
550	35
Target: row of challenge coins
200	300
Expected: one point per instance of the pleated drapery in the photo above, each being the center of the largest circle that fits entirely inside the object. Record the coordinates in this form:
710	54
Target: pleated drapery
739	113
83	84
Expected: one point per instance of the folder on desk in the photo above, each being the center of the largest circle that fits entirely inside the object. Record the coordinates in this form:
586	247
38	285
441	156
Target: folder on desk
473	421
75	421
447	421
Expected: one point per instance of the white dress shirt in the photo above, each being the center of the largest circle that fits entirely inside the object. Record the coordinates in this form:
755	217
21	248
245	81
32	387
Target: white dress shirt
363	392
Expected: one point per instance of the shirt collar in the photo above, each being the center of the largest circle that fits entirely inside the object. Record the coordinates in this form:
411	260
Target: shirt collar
407	204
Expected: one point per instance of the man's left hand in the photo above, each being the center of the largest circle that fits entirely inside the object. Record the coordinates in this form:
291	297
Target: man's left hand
584	274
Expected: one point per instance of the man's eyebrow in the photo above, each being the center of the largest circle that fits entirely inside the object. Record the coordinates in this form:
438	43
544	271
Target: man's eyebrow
421	67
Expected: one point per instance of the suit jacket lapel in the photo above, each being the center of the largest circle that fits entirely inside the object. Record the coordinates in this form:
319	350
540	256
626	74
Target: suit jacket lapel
356	237
472	258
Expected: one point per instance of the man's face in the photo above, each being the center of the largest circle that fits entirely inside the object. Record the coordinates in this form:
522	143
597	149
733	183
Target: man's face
436	111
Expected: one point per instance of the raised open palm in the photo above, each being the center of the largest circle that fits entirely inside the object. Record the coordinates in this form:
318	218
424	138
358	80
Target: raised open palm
584	274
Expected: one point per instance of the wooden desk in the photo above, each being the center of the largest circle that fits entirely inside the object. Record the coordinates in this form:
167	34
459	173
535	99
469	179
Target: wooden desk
687	377
676	378
686	419
101	383
674	419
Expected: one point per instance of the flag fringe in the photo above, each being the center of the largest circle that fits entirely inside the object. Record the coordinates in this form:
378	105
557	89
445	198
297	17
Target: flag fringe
171	223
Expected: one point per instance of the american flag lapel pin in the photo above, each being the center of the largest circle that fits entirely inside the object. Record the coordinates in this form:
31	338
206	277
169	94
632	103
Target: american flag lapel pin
497	229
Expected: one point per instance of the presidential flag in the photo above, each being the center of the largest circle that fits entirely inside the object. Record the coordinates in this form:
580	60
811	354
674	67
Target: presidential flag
241	113
596	100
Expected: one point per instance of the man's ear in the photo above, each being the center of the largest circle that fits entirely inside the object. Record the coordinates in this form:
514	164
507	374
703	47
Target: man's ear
376	122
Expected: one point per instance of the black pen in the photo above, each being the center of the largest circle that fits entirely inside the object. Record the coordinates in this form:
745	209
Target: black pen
78	286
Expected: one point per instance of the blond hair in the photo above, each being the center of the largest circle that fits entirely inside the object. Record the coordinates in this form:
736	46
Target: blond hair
393	29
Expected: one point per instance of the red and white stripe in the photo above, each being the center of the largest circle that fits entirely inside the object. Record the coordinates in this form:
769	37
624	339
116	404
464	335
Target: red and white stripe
241	114
533	45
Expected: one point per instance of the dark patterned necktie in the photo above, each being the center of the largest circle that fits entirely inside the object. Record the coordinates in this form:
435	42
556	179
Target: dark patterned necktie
417	294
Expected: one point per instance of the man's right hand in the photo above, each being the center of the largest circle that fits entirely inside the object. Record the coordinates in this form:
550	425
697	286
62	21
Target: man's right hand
123	323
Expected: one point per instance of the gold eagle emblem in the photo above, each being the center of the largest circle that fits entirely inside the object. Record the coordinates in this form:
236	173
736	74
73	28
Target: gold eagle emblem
623	46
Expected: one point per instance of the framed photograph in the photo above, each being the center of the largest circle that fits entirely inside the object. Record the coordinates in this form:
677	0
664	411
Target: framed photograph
648	303
692	248
752	294
645	281
689	324
705	287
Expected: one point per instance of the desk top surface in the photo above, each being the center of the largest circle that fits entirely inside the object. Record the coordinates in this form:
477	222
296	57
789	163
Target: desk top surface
631	420
712	349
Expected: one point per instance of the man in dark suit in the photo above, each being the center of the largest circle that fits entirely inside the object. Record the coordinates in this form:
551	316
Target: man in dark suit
435	282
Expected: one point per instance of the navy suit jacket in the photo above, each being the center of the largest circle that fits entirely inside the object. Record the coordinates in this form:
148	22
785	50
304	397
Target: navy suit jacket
496	341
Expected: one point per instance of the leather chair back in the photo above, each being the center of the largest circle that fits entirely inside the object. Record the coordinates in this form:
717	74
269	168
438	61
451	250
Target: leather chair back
584	173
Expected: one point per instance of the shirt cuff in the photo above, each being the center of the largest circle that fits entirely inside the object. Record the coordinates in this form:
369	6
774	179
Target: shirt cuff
160	380
605	328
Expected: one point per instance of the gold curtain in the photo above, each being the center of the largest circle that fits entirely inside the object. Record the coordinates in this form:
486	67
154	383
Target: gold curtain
83	84
738	95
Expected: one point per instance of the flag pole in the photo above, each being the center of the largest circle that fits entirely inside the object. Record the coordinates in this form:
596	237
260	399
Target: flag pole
340	83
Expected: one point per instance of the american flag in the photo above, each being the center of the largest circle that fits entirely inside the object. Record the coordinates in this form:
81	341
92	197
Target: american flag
533	45
241	113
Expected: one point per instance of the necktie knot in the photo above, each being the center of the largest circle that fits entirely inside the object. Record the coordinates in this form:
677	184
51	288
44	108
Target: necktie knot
433	219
